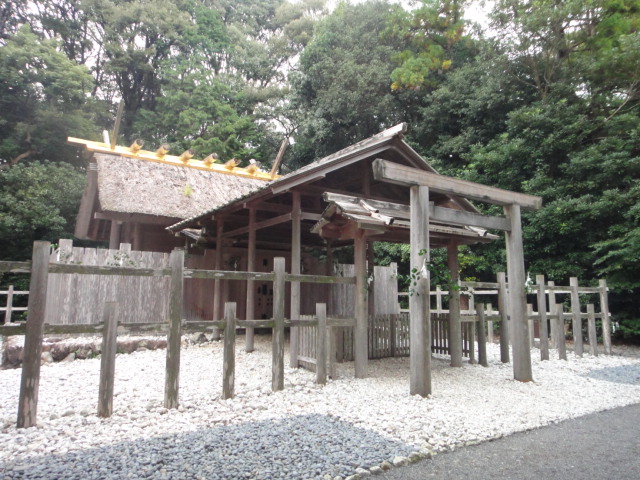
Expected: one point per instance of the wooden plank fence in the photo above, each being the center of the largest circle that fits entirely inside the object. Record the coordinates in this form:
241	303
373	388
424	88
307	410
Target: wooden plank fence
36	326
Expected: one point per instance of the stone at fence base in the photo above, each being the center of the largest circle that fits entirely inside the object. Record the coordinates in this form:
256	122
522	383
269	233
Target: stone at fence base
376	470
46	357
70	358
363	472
400	461
385	466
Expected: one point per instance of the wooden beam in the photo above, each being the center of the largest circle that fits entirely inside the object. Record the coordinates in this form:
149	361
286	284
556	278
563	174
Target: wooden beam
277	342
174	337
361	311
386	171
217	285
251	293
87	203
455	327
517	299
114	235
419	321
32	351
295	286
460	217
134	218
258	225
108	359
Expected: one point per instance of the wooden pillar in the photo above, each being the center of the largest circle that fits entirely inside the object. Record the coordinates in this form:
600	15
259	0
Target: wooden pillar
561	344
370	276
174	335
295	270
277	342
606	321
321	344
108	359
593	336
504	317
578	344
455	327
114	235
551	300
8	305
137	237
229	351
361	337
217	283
482	337
530	316
419	304
542	312
517	299
32	351
251	286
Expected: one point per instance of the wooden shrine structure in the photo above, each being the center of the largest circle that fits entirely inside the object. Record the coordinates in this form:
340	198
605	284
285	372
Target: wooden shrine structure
379	189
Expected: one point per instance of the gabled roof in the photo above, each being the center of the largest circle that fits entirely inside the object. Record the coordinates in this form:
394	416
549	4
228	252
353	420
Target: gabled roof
390	139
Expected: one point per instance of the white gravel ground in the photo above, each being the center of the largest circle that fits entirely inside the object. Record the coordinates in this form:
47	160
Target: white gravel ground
306	431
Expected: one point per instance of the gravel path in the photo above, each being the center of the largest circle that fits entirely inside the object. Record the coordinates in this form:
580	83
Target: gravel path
306	431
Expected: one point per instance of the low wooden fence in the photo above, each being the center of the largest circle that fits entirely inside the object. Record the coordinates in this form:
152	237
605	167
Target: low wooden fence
546	316
174	326
8	308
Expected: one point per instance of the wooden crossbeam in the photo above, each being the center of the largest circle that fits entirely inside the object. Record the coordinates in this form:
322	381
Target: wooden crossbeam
391	172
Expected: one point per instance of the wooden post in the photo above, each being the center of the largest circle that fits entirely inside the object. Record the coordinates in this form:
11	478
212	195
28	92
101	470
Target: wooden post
517	300
530	323
542	311
504	317
114	235
321	344
217	285
577	319
108	359
489	311
551	297
137	236
251	290
9	305
174	335
606	321
593	336
419	302
295	270
361	337
277	344
560	339
371	299
482	337
229	351
439	298
455	328
32	351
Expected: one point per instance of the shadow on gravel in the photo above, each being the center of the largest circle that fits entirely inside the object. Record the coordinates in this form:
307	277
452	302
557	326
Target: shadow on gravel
302	447
627	374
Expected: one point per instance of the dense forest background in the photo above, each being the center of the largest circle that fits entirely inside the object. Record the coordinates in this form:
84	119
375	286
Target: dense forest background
545	100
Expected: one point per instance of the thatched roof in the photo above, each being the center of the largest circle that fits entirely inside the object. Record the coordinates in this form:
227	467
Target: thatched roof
129	185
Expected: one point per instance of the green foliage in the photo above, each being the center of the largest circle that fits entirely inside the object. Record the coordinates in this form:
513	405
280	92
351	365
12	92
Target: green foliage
38	201
42	98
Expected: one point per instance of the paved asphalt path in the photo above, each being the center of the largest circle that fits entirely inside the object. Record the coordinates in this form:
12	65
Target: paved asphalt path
603	445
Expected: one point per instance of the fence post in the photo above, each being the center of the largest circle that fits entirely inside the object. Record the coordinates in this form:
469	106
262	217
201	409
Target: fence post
482	338
531	327
504	321
9	306
229	351
606	322
542	311
551	300
277	345
562	346
108	359
321	344
577	319
593	336
30	381
489	310
174	335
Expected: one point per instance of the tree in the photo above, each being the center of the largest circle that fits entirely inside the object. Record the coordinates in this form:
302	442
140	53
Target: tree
38	201
42	100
